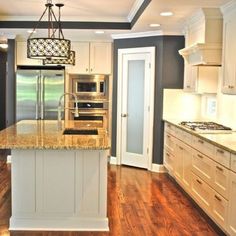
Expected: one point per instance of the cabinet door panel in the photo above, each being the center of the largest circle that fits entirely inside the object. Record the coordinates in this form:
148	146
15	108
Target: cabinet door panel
203	167
232	205
187	166
178	167
169	142
100	58
169	161
81	58
220	209
229	56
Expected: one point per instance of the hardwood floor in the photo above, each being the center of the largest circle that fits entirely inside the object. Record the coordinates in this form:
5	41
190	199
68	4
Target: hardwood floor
139	203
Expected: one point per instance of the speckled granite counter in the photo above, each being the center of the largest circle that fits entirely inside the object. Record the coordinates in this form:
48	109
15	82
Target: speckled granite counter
39	134
226	141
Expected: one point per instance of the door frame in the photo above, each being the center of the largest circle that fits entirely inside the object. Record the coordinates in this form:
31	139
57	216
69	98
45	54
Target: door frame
121	53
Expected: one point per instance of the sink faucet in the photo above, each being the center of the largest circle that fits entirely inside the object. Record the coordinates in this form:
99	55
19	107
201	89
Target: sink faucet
59	109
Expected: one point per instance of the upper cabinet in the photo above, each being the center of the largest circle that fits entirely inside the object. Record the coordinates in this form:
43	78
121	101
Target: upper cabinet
203	34
21	55
229	50
91	58
201	79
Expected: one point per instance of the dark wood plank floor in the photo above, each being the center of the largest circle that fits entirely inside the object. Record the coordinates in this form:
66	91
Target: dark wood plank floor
140	203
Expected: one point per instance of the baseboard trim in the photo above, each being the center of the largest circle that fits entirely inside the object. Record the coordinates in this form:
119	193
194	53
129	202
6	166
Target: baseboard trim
158	168
8	159
113	160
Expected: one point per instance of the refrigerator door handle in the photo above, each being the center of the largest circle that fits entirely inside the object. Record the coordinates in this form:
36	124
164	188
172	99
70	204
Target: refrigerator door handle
37	102
42	96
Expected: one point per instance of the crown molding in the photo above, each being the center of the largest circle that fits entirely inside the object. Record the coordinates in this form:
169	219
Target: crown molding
146	34
228	7
134	9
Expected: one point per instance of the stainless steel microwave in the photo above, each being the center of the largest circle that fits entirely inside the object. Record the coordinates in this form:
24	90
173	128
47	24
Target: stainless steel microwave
90	84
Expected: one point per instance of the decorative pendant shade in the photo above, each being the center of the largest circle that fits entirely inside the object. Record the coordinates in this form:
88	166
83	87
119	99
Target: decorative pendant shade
67	61
50	47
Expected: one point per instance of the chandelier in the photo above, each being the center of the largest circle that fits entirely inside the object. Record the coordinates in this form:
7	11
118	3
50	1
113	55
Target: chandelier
51	46
60	61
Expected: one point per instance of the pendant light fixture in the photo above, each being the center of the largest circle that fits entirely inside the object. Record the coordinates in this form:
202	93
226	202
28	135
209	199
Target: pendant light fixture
51	46
67	61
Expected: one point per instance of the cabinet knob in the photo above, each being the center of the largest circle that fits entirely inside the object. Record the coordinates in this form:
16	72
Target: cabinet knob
188	86
86	69
230	86
91	69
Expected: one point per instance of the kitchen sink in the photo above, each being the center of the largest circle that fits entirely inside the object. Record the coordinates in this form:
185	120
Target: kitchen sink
80	132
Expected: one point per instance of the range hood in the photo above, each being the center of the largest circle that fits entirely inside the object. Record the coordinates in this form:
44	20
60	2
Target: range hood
204	38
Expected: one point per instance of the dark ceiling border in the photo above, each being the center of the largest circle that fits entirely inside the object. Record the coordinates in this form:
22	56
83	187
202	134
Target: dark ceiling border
78	24
139	12
66	25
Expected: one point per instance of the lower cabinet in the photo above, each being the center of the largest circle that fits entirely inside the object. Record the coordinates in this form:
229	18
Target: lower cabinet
203	171
232	204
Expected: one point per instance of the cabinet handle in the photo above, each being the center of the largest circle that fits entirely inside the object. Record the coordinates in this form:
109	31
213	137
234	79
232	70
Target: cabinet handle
219	168
200	141
167	154
181	148
217	198
168	126
91	69
168	136
86	69
200	156
188	86
220	151
199	181
230	87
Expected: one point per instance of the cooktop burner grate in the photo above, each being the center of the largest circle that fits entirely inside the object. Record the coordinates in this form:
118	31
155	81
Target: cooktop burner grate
204	126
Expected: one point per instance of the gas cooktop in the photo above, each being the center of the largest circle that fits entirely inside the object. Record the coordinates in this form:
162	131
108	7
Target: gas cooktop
206	127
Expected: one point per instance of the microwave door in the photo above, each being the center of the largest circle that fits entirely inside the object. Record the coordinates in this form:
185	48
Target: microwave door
86	87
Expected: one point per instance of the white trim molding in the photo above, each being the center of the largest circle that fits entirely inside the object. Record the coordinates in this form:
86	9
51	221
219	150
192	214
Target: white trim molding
158	168
8	159
113	160
134	9
121	53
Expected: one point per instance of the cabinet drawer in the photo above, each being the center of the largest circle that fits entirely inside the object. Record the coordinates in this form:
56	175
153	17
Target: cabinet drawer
184	136
233	162
203	146
169	128
221	180
222	156
169	161
169	142
203	166
202	193
220	209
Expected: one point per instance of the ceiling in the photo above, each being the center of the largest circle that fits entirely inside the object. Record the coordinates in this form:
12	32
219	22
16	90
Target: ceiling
109	11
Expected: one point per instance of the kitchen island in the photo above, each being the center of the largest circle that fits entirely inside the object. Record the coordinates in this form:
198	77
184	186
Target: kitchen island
59	182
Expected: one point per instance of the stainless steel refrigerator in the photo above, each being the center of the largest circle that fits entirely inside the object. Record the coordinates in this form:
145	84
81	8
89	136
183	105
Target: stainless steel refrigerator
38	93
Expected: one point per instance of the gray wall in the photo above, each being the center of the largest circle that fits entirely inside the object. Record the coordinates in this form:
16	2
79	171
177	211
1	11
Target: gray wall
168	74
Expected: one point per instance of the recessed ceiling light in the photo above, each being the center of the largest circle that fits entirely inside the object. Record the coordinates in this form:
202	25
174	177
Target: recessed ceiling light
166	13
154	25
3	45
99	32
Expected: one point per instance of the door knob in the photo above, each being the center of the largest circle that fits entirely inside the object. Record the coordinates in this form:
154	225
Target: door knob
124	115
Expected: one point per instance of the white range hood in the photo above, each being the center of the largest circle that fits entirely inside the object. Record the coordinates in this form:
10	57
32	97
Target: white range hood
203	34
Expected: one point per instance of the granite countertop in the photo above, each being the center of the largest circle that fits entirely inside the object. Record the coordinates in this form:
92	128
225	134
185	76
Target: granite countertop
225	141
47	134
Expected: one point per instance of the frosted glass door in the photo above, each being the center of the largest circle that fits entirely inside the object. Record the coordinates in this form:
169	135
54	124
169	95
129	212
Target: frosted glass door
135	106
135	109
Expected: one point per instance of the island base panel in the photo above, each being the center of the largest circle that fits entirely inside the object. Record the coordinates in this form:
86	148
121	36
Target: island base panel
59	190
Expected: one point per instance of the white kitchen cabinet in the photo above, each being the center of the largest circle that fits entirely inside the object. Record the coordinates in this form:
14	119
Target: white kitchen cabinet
221	180
81	58
233	162
178	164
202	166
229	49
220	210
201	79
204	147
232	205
169	160
91	58
100	58
202	193
21	55
222	157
